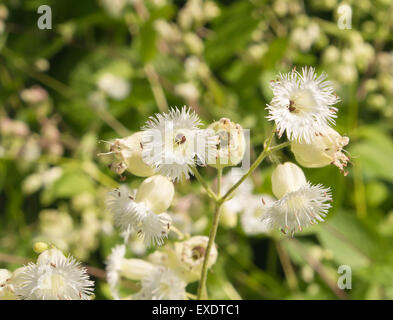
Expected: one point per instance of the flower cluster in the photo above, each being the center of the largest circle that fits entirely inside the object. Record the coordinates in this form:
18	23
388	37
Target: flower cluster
171	146
303	107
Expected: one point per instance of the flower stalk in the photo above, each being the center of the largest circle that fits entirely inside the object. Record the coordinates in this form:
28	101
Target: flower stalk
202	293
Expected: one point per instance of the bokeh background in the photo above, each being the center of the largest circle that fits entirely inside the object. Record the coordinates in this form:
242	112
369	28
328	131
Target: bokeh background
105	66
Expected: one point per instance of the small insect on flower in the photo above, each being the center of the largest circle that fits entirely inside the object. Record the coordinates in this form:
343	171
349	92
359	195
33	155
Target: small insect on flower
173	143
302	104
300	204
54	277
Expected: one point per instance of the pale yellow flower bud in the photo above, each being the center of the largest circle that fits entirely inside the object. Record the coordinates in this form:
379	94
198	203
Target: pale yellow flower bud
287	177
231	144
40	247
324	150
135	269
128	151
157	193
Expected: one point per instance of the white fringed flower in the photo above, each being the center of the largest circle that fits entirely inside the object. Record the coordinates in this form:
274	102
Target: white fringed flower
126	212
255	207
113	268
130	216
162	284
302	104
173	143
154	228
54	277
300	204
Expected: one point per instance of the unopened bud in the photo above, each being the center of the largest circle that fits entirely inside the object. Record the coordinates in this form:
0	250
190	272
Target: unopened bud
156	192
40	247
287	177
135	269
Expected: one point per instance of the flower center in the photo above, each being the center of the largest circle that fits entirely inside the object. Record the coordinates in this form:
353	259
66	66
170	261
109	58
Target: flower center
180	138
183	145
197	252
53	282
301	101
297	202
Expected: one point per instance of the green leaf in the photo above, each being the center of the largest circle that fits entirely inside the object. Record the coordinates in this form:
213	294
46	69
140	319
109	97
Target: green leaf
374	153
147	38
349	241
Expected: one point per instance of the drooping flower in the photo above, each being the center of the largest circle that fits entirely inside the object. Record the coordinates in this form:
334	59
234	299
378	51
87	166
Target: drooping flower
128	155
323	150
300	204
302	105
256	206
173	143
54	277
162	284
143	211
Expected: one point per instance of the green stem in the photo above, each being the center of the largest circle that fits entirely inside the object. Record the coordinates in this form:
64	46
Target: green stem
202	294
266	151
220	200
158	91
219	181
204	184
